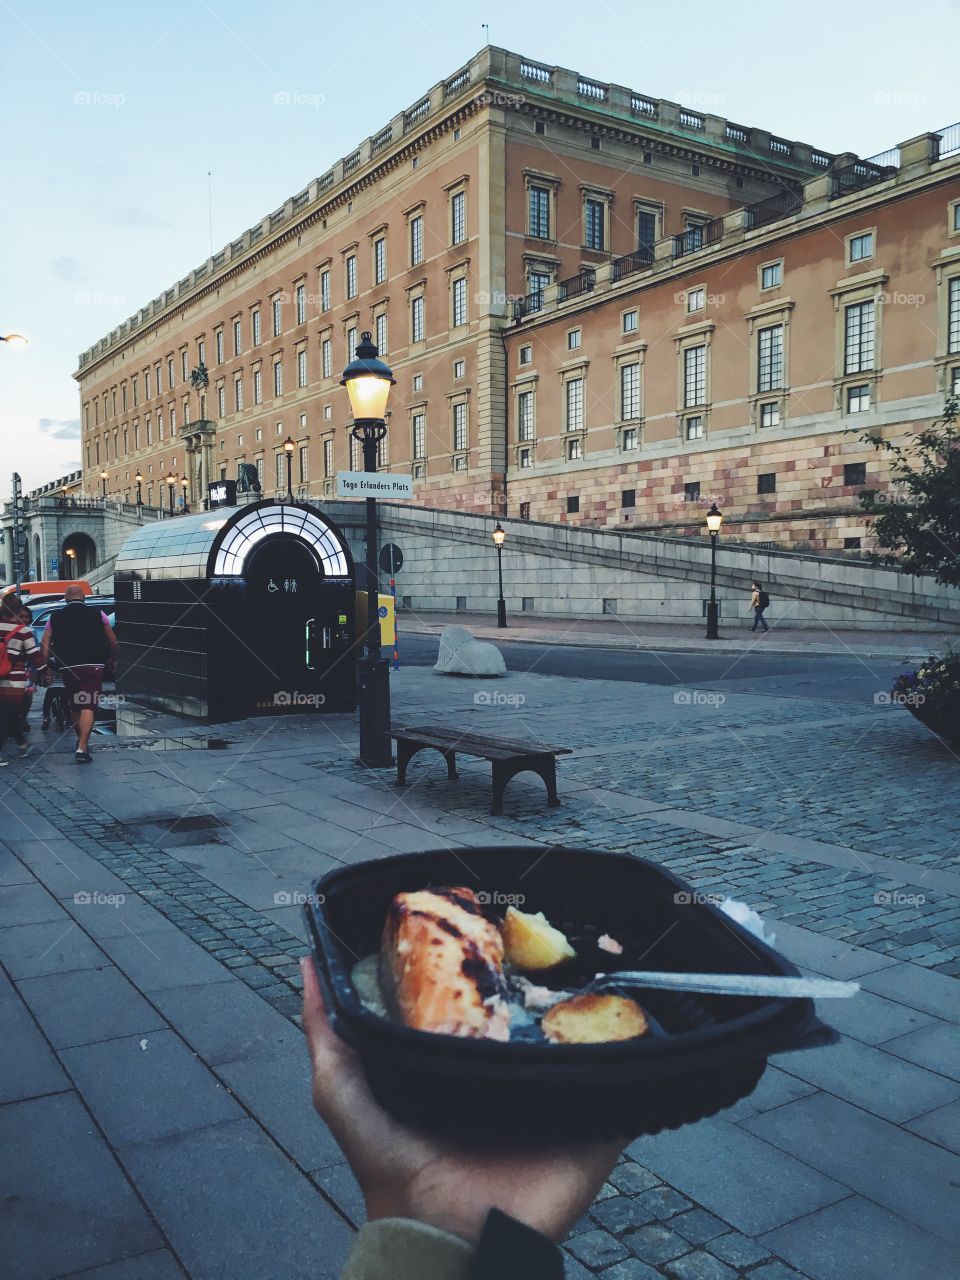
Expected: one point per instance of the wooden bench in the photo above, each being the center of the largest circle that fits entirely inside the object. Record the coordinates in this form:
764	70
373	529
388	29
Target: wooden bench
508	756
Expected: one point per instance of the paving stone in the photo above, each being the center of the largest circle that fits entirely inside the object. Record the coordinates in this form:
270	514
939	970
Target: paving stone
161	961
930	992
775	1271
774	1089
596	1248
66	1204
941	1126
662	1202
30	1069
159	1265
341	1186
870	1018
936	1046
631	1269
655	1244
631	1178
88	1005
699	1266
31	950
698	1226
739	1250
28	904
858	1240
620	1213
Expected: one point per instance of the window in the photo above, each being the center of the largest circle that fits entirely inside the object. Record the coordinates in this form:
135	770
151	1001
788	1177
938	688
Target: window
859	337
459	301
955	216
458	218
854	473
380	332
147	393
526	354
460	462
327	412
351	268
184	368
629	324
351	345
459	427
221	400
539	213
573	340
237	338
953	315
646	230
694	376
691	491
280	462
303	457
524	458
851	544
136	397
418	382
257	387
326	358
524	510
379	260
573	504
302	367
300	301
324	290
525	415
159	427
419	425
123	397
770	414
593	218
416	240
574	404
237	397
255	322
459	368
630	391
858	398
628	497
860	247
629	438
416	319
173	417
771	275
770	358
218	345
328	458
767	482
696	299
537	281
694	428
169	377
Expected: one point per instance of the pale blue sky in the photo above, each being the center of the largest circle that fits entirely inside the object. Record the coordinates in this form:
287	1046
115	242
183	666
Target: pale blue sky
104	196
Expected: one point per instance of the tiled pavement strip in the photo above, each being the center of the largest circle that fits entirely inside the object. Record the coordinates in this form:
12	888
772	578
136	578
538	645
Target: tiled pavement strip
841	1161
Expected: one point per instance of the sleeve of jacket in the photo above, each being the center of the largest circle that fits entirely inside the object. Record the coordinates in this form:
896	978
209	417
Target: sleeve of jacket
400	1249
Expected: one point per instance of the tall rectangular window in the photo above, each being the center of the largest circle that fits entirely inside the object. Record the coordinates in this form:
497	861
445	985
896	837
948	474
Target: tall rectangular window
302	367
136	398
237	337
351	345
458	218
573	401
159	426
459	427
593	214
277	309
379	260
694	376
416	240
237	397
300	301
525	415
218	344
159	372
280	462
351	266
169	376
328	458
221	400
770	358
537	281
538	213
147	393
326	358
303	454
953	315
255	322
630	391
416	319
324	290
646	230
184	367
859	337
257	387
123	397
459	301
380	333
419	435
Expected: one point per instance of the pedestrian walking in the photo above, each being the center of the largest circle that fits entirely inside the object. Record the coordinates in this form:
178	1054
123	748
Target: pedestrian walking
760	601
82	641
18	652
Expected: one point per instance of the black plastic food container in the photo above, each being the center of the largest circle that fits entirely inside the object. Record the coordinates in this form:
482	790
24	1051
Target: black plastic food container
704	1053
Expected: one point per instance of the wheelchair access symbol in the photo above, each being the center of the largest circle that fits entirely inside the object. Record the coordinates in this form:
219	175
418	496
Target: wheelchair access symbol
272	586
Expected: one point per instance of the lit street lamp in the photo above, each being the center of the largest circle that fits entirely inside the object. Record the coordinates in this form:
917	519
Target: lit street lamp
714	524
185	484
171	485
368	382
104	476
499	535
288	448
139	479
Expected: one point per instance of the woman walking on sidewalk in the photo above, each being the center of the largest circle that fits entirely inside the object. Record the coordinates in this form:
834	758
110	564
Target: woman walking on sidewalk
759	602
18	649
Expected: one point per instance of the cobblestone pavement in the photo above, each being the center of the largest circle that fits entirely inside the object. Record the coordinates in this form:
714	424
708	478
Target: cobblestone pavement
833	821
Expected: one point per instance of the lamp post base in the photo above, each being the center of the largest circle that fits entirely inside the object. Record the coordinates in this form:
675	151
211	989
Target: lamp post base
713	632
501	613
373	679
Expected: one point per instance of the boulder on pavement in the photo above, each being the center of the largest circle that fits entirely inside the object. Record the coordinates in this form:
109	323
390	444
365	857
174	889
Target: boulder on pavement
461	655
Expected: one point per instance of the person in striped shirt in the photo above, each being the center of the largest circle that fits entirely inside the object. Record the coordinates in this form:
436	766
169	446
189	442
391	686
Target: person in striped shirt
22	651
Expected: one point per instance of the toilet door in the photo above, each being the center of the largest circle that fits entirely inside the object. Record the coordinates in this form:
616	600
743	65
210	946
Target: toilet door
283	594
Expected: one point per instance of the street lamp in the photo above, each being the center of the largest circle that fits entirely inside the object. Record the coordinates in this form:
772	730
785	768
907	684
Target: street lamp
139	479
368	382
288	448
499	535
104	476
185	484
714	525
171	480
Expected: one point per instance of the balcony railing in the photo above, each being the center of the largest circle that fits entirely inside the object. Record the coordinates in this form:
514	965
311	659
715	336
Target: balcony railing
631	262
695	238
856	176
949	141
576	285
528	305
771	209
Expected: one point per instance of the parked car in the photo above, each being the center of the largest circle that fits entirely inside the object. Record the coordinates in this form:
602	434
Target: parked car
40	613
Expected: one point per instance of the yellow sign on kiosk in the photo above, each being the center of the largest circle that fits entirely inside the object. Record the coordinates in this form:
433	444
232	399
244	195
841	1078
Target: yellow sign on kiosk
388	619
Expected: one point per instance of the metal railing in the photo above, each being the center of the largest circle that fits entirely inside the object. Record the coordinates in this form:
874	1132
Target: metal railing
575	285
780	205
527	305
631	262
949	141
857	176
695	238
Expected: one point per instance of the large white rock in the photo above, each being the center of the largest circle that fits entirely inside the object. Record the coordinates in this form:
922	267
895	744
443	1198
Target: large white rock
461	655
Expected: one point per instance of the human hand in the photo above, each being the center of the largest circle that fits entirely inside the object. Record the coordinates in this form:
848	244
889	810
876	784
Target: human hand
407	1174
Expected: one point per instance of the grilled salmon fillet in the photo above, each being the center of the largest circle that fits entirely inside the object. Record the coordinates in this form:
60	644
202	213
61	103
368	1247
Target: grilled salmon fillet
441	965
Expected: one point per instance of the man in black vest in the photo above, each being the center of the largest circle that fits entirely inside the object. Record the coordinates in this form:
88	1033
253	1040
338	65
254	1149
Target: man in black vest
82	641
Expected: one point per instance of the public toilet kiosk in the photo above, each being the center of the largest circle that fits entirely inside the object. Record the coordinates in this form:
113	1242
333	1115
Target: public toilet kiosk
237	611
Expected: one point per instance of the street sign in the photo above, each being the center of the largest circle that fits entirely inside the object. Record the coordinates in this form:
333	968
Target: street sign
54	566
391	558
373	484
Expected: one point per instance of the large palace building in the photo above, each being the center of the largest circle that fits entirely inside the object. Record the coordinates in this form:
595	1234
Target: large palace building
599	308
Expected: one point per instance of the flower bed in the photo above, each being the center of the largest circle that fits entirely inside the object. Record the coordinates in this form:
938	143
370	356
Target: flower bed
932	694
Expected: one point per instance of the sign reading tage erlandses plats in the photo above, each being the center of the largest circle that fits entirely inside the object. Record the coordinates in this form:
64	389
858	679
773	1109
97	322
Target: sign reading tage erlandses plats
373	484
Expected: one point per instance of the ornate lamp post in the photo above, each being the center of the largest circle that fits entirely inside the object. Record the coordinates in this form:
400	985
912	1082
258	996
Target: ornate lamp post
714	524
185	485
104	477
368	382
499	536
171	481
288	448
139	479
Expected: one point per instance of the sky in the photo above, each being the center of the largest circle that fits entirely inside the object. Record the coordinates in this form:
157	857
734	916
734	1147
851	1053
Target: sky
113	114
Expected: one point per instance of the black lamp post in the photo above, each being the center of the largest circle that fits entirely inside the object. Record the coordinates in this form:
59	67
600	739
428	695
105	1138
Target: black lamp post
499	535
368	382
171	485
714	524
288	448
185	485
139	479
104	476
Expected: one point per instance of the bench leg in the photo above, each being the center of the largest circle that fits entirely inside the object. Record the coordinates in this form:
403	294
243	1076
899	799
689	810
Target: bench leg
407	750
501	776
451	759
503	771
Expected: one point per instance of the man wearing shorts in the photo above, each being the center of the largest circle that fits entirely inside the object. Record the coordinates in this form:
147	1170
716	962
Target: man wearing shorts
82	641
